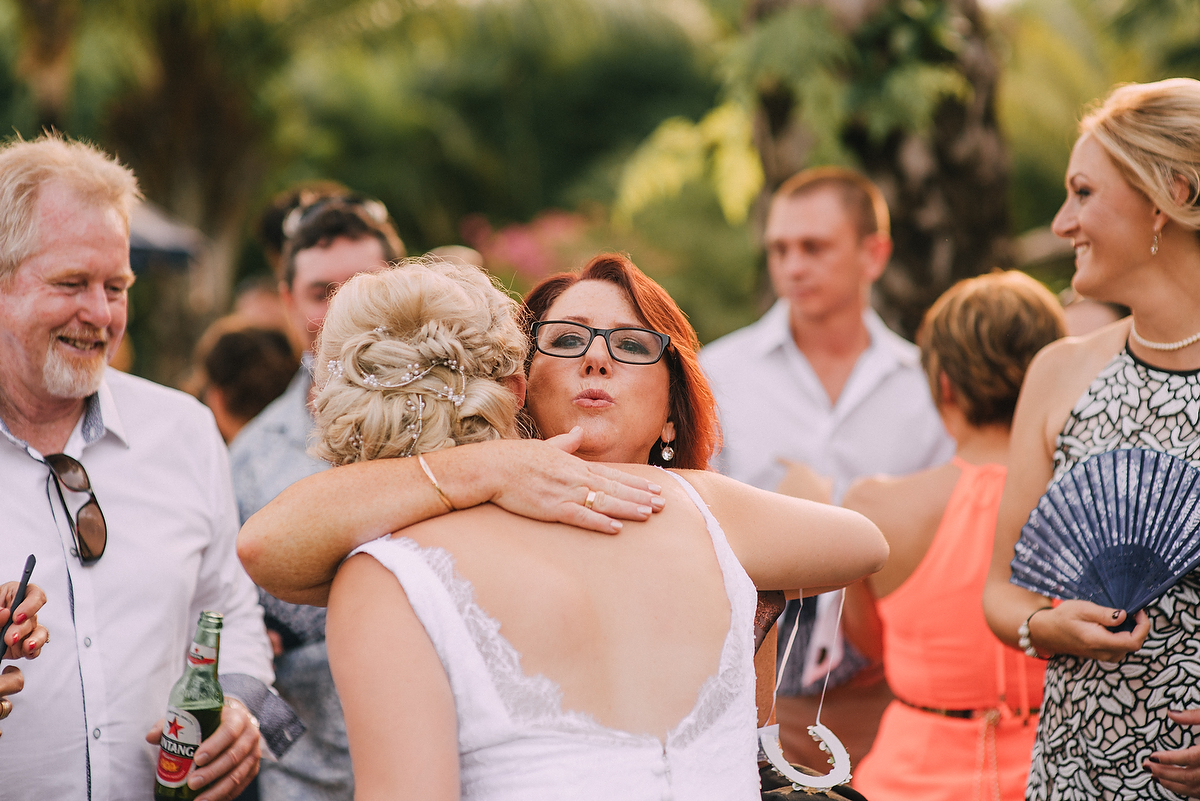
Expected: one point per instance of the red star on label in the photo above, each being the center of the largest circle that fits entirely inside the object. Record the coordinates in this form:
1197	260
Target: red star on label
174	726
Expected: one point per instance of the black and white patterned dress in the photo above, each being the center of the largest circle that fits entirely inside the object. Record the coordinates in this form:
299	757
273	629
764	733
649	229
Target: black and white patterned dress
1100	720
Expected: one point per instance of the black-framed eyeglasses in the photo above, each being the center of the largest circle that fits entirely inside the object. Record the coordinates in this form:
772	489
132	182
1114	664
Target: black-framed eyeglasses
568	340
297	218
87	526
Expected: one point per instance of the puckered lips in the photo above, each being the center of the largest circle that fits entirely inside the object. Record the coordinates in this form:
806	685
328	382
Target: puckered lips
593	399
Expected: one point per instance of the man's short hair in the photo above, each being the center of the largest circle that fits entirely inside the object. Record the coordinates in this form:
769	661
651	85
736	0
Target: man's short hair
26	166
860	197
352	217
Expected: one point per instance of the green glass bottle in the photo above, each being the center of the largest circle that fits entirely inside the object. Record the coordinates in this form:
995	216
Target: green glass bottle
193	711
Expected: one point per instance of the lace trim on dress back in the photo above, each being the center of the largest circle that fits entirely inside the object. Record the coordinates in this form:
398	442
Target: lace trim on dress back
537	700
719	691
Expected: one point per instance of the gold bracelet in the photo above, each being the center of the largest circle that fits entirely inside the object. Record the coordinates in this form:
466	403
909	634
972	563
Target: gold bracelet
437	487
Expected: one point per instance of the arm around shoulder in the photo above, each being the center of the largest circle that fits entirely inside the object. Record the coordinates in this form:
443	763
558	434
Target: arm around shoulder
792	544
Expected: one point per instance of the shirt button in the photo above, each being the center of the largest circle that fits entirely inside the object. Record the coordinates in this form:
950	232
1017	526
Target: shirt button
96	733
87	642
74	552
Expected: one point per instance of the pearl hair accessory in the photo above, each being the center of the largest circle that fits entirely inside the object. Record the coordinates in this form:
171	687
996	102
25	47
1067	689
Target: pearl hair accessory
412	373
1164	346
414	429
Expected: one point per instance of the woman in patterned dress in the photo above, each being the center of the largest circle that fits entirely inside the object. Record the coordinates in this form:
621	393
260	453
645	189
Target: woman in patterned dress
1121	709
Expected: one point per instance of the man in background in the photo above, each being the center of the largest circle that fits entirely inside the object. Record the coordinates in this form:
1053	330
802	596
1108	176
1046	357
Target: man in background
121	490
816	394
327	242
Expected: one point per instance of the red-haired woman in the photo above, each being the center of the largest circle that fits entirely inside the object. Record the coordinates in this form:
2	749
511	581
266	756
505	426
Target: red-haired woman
314	523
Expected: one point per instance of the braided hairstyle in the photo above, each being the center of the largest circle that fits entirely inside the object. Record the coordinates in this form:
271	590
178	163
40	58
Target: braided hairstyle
409	360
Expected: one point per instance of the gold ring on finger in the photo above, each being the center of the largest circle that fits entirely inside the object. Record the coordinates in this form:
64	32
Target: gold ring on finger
591	499
5	708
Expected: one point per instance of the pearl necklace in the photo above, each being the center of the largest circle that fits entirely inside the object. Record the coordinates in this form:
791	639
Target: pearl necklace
1145	343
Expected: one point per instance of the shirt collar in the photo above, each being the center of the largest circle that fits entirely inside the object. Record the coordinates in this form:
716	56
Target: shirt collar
99	415
889	342
106	416
776	332
774	327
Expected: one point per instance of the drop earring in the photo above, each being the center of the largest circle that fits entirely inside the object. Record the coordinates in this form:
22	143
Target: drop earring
1154	245
668	453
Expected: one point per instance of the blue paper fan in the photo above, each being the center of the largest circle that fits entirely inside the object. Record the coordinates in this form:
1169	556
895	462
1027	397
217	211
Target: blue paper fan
1118	529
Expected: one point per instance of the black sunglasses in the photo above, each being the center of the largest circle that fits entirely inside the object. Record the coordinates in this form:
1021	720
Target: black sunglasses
373	210
88	526
568	340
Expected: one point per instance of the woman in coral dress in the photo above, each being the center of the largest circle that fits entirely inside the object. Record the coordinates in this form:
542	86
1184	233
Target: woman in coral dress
965	715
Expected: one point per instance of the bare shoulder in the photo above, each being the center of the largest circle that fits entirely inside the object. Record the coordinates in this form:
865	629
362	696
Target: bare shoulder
721	491
890	501
1077	360
1063	370
708	480
907	509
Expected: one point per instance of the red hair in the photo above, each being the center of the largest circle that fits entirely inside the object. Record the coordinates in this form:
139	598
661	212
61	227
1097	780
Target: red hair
691	404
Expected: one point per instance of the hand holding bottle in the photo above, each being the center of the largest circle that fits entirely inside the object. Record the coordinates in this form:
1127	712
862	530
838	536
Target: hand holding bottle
207	742
226	761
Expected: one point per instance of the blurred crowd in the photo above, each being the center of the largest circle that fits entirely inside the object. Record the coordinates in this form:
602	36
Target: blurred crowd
940	677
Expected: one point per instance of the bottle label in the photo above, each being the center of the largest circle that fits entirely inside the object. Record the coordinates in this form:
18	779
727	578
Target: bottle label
177	748
202	655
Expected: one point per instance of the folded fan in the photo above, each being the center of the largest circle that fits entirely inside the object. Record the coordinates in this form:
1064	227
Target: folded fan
1118	529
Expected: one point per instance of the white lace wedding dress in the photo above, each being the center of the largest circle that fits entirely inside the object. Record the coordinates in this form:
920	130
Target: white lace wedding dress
515	740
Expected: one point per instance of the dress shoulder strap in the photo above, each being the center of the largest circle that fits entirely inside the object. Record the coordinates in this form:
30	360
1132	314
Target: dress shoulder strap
428	589
738	586
444	603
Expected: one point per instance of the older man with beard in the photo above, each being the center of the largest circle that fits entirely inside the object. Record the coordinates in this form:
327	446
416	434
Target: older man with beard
121	488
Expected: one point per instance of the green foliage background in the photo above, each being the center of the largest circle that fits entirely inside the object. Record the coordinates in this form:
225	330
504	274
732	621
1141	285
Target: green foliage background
509	108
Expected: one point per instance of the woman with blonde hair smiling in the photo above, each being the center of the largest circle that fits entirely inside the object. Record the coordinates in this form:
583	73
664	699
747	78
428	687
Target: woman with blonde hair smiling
1121	706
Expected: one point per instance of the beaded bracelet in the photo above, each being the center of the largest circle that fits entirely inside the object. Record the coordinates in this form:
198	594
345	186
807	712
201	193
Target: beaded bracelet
1023	640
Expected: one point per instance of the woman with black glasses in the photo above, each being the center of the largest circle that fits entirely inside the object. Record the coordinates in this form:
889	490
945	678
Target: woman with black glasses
485	655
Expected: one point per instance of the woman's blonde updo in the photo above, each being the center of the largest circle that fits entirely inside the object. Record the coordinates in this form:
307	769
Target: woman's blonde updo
1151	131
409	360
982	333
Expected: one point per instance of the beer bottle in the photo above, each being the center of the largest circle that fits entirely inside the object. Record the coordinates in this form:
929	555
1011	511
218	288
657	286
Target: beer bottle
193	711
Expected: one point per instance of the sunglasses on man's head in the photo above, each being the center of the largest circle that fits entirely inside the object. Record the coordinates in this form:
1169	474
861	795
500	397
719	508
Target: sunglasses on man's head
300	216
87	526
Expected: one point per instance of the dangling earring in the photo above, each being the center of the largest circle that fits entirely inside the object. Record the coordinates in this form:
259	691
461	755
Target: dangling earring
668	453
1154	245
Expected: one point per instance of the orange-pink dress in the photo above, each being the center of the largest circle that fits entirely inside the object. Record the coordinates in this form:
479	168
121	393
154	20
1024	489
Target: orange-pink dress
939	654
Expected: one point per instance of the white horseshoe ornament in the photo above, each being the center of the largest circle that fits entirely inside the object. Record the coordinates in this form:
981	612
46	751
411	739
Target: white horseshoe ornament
768	738
839	757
